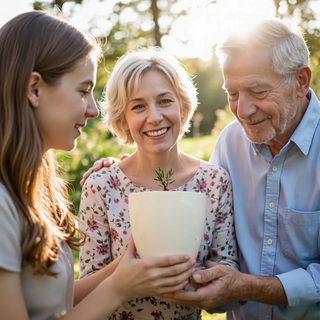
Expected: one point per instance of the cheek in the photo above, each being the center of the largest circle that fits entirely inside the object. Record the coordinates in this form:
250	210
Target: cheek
233	106
125	125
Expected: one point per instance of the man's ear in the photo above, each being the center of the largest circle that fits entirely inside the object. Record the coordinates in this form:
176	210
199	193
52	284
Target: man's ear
304	79
33	89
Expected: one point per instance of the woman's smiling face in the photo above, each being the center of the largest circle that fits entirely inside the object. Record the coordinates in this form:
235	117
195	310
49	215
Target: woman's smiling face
153	114
64	109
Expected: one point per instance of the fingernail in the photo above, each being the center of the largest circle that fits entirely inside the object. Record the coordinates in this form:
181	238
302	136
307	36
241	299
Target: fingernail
197	277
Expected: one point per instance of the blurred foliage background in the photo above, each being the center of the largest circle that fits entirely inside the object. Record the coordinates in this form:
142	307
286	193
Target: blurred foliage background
150	22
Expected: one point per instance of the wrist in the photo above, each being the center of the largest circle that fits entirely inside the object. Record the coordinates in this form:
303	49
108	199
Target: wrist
262	289
113	286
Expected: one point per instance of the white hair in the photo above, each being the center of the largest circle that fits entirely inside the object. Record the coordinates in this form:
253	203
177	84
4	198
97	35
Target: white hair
287	46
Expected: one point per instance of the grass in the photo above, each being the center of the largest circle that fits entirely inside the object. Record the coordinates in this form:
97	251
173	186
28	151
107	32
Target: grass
207	316
201	147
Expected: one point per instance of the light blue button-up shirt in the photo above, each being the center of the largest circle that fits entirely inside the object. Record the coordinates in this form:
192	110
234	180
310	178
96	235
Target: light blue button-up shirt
277	214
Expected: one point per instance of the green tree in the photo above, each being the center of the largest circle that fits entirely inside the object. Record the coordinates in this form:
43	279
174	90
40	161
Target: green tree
304	12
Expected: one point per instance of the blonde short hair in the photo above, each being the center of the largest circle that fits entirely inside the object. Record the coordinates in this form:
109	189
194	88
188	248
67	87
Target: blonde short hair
125	78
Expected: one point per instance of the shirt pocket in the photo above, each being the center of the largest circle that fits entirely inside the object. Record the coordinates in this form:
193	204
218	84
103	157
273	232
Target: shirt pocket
302	234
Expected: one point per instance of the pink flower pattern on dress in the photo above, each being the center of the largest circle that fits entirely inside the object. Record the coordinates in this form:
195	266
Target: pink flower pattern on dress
105	218
222	218
103	249
114	234
201	185
115	183
93	225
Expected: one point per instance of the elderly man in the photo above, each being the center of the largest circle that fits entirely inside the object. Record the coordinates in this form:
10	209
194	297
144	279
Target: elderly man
272	152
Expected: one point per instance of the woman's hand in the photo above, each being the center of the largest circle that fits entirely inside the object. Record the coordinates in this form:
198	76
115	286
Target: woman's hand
103	162
145	277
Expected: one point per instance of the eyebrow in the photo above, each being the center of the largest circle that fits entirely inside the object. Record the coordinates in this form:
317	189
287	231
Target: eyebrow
253	85
158	96
88	82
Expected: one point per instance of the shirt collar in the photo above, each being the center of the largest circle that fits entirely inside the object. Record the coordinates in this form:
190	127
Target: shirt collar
305	131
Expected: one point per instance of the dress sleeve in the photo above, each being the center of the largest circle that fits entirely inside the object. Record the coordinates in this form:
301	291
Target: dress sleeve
96	253
10	234
223	246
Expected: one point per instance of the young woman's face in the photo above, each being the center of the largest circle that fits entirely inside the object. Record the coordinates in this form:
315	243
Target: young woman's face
63	109
153	114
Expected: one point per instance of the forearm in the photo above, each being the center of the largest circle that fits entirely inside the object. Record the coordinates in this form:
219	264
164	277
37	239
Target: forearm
83	287
99	304
267	290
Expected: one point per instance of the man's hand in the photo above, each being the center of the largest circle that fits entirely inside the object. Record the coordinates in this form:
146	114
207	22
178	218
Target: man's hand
224	284
103	162
219	288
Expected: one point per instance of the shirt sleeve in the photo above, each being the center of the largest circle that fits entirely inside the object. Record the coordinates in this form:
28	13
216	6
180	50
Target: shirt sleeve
304	291
10	234
95	254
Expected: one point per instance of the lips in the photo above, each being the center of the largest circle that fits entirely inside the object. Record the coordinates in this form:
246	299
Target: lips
156	133
79	126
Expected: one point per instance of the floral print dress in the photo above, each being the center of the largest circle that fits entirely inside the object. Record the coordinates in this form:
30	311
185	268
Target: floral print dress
105	216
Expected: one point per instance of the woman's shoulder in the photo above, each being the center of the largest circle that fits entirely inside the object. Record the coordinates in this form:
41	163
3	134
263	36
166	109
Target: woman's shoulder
210	168
6	203
104	174
106	181
9	217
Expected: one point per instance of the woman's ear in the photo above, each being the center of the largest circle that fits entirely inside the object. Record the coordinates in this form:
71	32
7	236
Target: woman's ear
125	124
33	89
184	114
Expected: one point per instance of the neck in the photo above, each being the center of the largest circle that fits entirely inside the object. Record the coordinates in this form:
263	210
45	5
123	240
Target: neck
143	164
276	144
141	168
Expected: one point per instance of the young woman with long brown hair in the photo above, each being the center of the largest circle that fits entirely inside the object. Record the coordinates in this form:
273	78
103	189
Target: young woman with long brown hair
48	71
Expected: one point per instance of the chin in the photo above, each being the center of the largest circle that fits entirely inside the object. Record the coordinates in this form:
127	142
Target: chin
69	147
260	137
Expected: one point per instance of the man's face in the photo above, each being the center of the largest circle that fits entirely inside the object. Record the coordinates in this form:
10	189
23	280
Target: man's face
265	106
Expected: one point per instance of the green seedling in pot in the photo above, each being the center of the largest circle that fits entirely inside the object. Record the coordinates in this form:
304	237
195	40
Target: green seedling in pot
164	180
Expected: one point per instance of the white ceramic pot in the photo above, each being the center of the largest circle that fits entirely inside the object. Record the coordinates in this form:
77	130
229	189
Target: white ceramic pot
167	222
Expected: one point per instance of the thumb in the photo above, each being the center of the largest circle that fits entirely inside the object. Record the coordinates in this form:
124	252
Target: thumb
205	276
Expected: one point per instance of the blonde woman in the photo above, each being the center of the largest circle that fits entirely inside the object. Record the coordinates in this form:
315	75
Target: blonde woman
48	72
150	99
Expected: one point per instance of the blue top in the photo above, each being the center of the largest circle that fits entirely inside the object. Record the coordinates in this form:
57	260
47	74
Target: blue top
277	214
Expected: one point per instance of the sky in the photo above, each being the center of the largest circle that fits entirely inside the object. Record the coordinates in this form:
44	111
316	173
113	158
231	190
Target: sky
205	24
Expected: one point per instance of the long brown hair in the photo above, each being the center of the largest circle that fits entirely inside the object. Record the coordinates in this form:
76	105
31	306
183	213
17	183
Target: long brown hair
36	41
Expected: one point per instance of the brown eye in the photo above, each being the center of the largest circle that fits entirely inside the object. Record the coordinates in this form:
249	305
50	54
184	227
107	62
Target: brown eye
139	106
165	101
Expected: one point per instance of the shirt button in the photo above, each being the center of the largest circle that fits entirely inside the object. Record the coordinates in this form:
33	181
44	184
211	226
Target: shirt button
274	168
271	205
270	241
